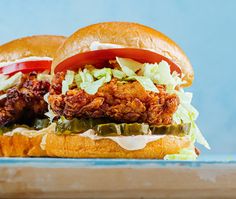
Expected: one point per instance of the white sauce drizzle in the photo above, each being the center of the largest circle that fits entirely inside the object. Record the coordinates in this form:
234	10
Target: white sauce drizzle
32	58
126	142
31	133
96	45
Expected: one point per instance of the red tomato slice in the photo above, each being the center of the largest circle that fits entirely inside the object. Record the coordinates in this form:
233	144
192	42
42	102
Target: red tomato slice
26	67
99	58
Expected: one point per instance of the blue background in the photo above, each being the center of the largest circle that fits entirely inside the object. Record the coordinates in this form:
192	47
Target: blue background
206	31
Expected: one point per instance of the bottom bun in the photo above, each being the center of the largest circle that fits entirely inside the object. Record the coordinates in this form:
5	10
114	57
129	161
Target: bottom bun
21	146
76	146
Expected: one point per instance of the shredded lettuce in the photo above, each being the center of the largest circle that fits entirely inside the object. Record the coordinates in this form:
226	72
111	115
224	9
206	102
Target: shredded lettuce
118	74
8	82
104	72
78	80
146	74
151	73
93	87
195	131
184	154
3	77
85	79
161	74
187	113
50	114
86	76
69	78
129	66
44	77
3	96
146	83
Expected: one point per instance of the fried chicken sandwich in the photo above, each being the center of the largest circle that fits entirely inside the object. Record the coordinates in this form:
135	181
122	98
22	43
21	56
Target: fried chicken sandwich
118	92
25	65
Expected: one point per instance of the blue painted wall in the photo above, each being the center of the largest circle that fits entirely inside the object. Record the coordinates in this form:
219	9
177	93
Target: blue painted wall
206	30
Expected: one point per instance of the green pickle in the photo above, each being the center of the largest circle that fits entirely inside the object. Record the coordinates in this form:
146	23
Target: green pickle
103	127
135	129
72	126
112	129
173	129
77	125
124	129
37	124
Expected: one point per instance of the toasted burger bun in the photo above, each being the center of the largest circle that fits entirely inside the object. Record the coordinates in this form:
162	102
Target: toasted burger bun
21	146
131	35
37	46
76	146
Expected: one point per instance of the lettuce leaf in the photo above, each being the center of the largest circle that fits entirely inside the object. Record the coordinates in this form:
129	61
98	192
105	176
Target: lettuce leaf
3	77
86	79
69	78
118	74
104	72
50	114
157	73
8	82
92	87
184	154
186	113
44	77
3	96
129	66
161	74
146	83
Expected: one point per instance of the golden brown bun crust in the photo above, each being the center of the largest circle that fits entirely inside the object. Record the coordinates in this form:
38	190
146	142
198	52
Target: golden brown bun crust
38	45
21	146
75	146
128	34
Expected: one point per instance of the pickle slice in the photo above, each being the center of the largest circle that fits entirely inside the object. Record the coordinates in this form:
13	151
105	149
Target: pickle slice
173	129
72	126
112	129
37	124
77	125
103	127
135	129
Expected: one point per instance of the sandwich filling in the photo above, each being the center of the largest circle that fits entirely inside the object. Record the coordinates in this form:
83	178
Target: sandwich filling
126	101
124	98
21	98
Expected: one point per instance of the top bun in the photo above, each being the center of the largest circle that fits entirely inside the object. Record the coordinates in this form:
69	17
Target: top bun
38	45
131	35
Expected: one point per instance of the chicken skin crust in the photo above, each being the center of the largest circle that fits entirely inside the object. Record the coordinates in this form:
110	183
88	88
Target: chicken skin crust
117	100
25	101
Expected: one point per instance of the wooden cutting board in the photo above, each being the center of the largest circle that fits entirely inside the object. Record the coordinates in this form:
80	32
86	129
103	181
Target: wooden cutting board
111	178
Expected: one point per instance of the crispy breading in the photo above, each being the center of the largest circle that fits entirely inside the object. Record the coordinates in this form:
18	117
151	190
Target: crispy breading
118	100
25	101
